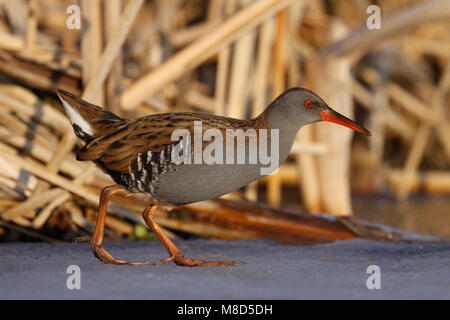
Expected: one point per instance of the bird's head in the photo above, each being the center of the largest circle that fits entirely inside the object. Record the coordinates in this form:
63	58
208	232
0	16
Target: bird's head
304	106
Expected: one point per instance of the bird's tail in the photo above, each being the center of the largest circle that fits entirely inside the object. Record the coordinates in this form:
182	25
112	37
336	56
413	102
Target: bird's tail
88	121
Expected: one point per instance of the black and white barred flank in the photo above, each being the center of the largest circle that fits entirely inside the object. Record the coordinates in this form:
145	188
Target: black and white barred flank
144	171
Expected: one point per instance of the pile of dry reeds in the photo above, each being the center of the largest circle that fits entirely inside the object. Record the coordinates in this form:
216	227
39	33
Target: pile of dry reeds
228	57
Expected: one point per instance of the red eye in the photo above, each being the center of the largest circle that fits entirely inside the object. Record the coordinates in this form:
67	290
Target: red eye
307	103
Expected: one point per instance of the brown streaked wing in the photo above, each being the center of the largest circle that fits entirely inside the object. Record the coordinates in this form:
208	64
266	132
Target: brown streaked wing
118	149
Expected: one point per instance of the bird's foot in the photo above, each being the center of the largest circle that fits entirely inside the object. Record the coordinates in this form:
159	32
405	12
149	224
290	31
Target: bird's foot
180	260
105	257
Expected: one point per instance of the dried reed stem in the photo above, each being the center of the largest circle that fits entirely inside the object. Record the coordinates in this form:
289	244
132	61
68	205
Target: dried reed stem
103	67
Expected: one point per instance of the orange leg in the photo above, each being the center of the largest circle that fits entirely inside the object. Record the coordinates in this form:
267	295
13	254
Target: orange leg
97	238
175	254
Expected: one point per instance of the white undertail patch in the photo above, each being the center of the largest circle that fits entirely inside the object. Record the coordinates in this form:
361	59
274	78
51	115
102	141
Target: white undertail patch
76	118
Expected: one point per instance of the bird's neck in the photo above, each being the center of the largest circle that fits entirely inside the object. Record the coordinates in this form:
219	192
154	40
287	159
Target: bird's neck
274	118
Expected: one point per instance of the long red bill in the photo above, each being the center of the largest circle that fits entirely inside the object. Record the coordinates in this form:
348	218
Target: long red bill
333	116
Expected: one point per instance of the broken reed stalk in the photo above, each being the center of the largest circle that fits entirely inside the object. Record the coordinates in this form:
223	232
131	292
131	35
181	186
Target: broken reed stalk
43	173
21	127
11	42
40	72
20	100
27	209
60	199
69	166
281	224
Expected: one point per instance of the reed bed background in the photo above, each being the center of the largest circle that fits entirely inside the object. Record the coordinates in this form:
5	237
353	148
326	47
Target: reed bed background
228	57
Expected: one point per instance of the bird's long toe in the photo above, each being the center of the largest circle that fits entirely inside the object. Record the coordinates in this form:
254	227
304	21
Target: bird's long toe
107	258
186	262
